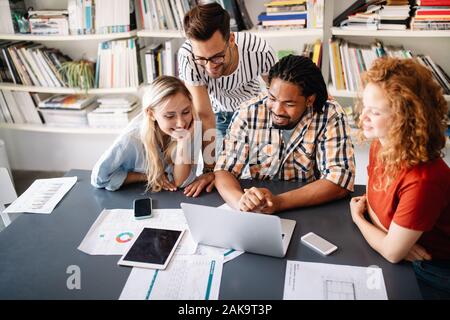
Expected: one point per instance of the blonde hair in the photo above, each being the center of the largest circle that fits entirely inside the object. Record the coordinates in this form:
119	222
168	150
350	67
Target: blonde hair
419	116
157	93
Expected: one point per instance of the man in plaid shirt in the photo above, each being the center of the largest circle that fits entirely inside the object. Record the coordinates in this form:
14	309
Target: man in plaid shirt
291	133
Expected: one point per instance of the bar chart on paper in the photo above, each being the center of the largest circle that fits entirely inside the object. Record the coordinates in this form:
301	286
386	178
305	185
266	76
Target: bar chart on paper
42	196
187	277
322	281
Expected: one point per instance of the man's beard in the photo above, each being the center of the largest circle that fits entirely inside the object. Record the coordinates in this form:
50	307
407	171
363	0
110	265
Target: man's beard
289	126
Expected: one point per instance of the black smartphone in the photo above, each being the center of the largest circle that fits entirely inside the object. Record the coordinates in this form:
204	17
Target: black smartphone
142	208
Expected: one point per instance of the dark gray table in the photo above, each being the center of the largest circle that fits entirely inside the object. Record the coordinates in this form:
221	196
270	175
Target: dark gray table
36	250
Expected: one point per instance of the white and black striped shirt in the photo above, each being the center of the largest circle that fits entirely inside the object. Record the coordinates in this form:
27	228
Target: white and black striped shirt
227	93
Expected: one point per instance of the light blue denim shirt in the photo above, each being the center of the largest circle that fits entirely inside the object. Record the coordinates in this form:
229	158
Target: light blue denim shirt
127	154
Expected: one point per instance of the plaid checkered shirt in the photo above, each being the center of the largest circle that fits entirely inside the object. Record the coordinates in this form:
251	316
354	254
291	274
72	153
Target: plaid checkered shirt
320	146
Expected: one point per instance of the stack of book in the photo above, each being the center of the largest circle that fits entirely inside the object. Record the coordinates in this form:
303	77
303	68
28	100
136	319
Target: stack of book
49	22
364	20
375	15
284	14
10	11
159	59
18	107
431	15
114	111
117	64
100	16
395	15
31	64
67	110
348	61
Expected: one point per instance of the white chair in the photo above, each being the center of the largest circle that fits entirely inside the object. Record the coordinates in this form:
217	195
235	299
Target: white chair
7	195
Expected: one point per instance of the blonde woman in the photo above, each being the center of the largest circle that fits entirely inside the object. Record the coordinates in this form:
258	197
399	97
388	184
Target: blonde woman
160	147
404	113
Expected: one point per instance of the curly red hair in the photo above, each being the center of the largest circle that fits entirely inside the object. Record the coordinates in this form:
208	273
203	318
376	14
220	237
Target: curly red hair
419	121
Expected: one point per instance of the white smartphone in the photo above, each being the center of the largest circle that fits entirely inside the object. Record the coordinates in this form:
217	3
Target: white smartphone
318	244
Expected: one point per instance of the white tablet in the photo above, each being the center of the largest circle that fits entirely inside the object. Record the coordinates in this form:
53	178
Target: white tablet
152	249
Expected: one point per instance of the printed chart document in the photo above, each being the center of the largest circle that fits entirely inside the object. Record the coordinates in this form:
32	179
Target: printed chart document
42	196
187	277
321	281
112	232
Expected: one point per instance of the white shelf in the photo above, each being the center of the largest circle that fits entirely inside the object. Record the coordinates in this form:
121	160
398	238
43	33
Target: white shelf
18	87
160	34
287	33
392	33
53	129
262	33
80	37
353	94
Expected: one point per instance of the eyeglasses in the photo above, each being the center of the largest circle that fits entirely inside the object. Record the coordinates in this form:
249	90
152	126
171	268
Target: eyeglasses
216	59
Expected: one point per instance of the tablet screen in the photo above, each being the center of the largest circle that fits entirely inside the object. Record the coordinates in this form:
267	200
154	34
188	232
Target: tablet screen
152	246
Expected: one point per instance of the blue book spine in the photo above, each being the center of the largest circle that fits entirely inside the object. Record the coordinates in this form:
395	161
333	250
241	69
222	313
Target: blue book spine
264	17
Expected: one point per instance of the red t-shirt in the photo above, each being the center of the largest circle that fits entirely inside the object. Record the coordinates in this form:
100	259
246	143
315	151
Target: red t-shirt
418	199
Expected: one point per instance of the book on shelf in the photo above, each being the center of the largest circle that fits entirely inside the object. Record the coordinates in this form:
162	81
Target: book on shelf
10	12
67	117
112	16
349	61
310	50
292	14
100	16
314	52
31	64
48	24
67	101
163	14
315	9
377	16
356	7
114	111
118	64
433	3
110	120
18	107
159	59
239	16
431	15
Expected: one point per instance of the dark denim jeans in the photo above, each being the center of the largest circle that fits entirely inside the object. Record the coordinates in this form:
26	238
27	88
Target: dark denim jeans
223	120
435	273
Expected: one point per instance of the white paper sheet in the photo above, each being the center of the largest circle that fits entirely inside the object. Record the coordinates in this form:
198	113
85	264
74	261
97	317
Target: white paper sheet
186	277
228	254
42	196
112	232
320	281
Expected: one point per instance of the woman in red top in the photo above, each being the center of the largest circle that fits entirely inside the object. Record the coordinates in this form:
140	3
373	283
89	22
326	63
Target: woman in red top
408	193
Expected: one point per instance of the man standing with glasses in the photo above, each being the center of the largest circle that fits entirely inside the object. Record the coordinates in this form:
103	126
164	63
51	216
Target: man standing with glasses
221	69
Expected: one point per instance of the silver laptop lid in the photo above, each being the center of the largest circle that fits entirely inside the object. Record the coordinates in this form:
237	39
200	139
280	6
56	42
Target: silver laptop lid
250	232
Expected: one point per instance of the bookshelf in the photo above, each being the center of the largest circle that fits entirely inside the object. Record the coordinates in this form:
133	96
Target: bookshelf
418	41
391	33
64	90
81	37
434	43
81	147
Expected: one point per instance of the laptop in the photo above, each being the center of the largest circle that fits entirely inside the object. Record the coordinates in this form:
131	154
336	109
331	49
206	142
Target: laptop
244	231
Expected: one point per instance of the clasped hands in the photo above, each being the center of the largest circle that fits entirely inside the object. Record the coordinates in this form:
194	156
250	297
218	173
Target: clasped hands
258	200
